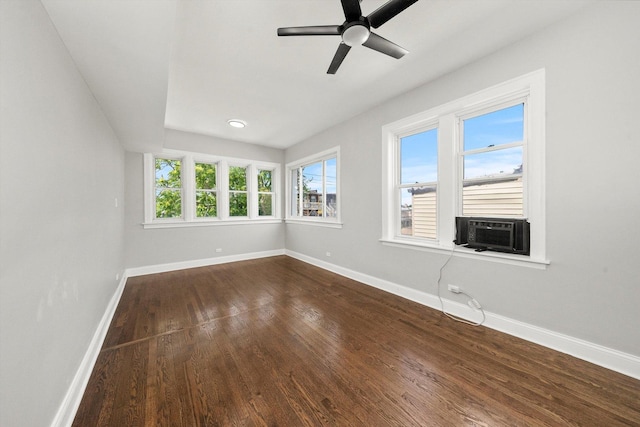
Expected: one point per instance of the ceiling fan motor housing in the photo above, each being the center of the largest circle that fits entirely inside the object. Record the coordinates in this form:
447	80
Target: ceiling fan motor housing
355	33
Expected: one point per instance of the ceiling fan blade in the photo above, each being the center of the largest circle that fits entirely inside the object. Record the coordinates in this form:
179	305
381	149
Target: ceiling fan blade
317	30
351	9
342	51
383	45
388	11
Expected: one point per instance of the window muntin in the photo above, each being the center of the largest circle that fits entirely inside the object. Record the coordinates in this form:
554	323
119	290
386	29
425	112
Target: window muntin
417	186
238	194
206	190
168	188
493	163
313	188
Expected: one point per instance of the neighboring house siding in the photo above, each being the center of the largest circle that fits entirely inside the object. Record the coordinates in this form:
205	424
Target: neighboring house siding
424	215
499	199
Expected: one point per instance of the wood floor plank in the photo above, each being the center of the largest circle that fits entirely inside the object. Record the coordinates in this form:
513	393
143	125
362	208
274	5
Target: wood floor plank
277	342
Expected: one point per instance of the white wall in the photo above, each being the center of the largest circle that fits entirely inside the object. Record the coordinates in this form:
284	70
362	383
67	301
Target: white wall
61	236
592	287
155	247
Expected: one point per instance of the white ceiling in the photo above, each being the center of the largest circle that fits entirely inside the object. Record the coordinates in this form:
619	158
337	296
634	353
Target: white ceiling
191	65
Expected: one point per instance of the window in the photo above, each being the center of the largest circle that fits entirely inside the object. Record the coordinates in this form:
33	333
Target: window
313	189
206	193
417	183
238	194
481	156
187	189
265	192
168	188
492	159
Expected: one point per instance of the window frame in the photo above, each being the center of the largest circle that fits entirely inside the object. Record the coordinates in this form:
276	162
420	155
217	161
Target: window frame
229	191
272	193
189	215
449	116
290	196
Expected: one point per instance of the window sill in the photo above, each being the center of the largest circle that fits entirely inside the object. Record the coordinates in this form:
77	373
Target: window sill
209	223
462	252
314	222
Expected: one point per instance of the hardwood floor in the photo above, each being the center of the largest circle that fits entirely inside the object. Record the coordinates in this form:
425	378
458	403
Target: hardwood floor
277	342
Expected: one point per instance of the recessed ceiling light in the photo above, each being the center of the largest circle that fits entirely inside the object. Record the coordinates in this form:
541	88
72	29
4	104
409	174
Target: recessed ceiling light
237	123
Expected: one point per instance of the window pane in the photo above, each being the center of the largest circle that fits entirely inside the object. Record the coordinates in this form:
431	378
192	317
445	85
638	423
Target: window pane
168	188
237	178
168	173
265	205
168	203
264	181
419	157
312	177
205	176
331	185
493	129
497	198
237	204
493	164
312	189
206	204
418	212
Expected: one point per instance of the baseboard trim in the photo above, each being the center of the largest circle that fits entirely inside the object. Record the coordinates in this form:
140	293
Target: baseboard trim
609	358
182	265
71	402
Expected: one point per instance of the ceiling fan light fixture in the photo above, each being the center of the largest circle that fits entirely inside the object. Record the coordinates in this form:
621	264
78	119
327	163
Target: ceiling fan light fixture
355	35
236	123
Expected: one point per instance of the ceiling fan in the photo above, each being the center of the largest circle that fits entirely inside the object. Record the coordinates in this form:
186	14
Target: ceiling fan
356	30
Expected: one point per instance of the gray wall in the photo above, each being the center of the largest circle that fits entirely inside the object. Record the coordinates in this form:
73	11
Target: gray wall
61	236
592	287
148	247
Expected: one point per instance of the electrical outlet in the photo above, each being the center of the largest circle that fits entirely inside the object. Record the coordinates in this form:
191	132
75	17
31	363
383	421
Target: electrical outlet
453	288
218	250
328	253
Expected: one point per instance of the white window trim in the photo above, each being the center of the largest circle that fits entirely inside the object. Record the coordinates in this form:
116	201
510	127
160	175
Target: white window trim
189	218
530	86
289	197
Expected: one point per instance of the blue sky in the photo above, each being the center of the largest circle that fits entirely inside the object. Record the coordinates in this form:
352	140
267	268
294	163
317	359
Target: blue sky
419	151
313	175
